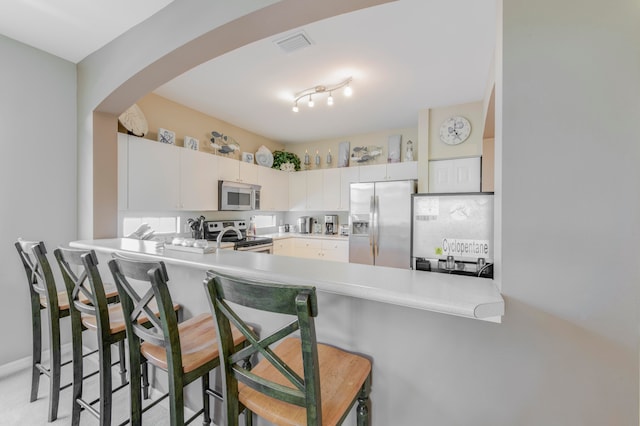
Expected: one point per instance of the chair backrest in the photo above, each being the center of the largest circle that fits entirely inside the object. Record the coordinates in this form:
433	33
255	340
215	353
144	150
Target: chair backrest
81	277
297	301
153	278
33	255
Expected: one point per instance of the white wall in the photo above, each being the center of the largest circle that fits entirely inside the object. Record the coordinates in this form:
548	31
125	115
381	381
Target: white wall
37	174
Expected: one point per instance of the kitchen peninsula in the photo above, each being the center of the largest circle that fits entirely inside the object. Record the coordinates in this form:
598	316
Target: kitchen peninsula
448	294
380	312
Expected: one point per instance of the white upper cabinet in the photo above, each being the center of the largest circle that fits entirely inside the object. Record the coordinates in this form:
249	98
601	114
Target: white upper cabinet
315	190
161	177
228	169
331	189
237	171
458	175
298	191
274	193
248	172
390	171
153	175
348	175
198	180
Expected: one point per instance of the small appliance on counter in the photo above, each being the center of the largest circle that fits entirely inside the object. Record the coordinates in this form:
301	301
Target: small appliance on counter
344	230
453	233
305	224
331	224
212	229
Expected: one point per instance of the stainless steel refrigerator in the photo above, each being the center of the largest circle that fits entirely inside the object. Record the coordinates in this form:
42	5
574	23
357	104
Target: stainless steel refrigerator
380	223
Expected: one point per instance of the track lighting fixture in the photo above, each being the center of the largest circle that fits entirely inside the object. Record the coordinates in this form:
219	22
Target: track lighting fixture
322	89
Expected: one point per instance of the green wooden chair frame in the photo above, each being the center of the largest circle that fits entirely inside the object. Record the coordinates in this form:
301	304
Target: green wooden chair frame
162	332
88	282
298	301
41	283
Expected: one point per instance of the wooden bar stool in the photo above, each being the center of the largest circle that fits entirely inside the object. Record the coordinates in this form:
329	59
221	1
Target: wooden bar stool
90	310
45	296
299	381
186	351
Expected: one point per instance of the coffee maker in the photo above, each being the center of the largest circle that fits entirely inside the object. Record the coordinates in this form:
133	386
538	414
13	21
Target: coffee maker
331	224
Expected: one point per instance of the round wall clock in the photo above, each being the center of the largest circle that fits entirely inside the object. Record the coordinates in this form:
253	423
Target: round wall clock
455	130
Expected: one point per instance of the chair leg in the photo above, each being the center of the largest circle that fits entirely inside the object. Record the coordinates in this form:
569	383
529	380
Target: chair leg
176	398
104	354
54	367
363	418
248	417
122	362
37	353
134	383
78	371
205	400
145	378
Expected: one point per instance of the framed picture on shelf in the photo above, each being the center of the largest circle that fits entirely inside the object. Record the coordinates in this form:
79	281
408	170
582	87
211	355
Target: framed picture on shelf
247	157
393	148
343	154
191	143
166	136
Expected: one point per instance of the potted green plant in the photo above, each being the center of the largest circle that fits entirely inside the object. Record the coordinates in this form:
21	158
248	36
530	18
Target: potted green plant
284	157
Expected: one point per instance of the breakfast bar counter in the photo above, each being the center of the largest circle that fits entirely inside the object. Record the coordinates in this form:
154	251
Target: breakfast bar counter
393	316
469	297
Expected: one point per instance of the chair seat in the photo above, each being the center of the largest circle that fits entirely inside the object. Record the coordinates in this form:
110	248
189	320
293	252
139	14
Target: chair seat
198	343
341	377
110	291
116	317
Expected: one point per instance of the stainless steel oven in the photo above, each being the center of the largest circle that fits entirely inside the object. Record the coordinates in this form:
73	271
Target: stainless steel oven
212	229
265	247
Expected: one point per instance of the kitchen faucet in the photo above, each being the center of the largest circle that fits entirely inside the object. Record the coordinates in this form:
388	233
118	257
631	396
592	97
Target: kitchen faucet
228	228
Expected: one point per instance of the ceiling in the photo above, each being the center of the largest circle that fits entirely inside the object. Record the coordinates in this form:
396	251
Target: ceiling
403	56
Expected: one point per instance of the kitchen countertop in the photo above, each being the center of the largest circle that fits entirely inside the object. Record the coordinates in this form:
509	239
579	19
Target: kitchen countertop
454	295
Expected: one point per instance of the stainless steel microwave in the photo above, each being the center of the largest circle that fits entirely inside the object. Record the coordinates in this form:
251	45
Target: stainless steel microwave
238	196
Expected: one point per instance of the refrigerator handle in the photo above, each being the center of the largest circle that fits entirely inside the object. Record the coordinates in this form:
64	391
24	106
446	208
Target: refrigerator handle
376	215
372	207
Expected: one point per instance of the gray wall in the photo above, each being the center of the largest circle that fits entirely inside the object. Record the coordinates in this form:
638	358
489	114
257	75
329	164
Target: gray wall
37	174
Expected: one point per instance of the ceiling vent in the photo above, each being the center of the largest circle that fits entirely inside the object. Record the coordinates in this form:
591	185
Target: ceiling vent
294	42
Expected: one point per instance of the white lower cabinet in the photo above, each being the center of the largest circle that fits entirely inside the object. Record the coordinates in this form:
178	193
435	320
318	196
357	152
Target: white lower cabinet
315	248
283	247
335	250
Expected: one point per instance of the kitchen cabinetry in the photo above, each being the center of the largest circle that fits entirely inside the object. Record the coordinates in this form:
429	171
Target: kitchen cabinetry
315	248
165	177
274	194
348	175
457	175
327	189
237	171
198	180
153	175
332	189
315	190
283	247
390	171
298	191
